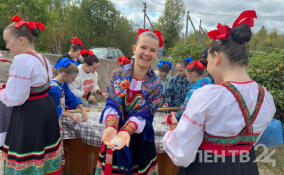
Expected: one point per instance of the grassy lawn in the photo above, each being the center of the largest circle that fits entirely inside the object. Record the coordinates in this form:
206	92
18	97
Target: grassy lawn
266	168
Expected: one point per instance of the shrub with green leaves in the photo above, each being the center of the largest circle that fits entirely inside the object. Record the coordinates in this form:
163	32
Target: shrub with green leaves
267	68
185	49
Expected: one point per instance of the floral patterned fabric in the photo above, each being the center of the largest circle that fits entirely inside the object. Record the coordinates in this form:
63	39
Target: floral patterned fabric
151	90
174	95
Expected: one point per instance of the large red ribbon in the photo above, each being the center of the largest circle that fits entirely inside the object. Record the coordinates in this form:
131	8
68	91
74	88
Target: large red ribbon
85	53
198	64
75	40
31	25
223	31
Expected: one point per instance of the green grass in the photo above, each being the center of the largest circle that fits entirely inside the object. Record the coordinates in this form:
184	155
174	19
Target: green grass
266	168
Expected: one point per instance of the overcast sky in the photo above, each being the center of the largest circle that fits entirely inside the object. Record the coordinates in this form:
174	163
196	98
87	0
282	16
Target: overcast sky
270	12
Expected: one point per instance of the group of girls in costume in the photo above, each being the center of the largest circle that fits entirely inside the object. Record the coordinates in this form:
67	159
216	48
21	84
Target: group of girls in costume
222	119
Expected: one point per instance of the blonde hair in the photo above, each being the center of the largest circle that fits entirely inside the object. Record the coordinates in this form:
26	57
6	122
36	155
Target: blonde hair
23	31
71	68
148	34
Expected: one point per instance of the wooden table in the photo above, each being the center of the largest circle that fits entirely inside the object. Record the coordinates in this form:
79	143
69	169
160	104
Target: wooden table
81	159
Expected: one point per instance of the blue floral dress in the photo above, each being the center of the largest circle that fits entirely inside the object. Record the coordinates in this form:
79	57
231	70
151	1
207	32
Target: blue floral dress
174	95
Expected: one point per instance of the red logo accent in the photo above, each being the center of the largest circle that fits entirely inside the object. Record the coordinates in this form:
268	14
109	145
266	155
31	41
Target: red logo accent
88	85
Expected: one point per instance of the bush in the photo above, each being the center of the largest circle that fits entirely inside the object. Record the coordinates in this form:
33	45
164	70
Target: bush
267	68
185	49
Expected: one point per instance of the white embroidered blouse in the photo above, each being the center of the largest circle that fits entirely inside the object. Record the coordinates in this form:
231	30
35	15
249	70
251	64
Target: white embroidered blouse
213	109
25	72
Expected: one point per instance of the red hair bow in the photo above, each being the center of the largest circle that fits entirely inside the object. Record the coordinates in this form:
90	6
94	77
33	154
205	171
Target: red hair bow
223	31
75	40
198	64
123	60
85	53
141	31
156	32
31	25
246	17
161	37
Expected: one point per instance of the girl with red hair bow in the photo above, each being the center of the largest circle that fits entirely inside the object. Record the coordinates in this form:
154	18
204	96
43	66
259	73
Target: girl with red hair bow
32	144
86	83
222	122
197	75
74	52
133	98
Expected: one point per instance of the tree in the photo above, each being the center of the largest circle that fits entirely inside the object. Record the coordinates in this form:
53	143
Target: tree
35	10
95	22
171	22
185	49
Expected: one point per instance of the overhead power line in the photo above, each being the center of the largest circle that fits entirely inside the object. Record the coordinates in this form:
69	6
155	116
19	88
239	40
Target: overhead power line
216	14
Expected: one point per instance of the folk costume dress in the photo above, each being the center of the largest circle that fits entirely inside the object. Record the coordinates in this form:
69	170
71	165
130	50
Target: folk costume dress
196	85
32	144
130	107
62	95
5	114
175	94
222	122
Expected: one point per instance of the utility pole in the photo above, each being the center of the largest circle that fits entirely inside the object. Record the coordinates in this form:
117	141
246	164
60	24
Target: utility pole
186	27
196	33
144	10
201	29
200	25
146	16
191	22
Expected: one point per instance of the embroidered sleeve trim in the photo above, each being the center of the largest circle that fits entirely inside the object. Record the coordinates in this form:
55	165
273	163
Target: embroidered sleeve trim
194	122
20	77
165	144
112	121
129	127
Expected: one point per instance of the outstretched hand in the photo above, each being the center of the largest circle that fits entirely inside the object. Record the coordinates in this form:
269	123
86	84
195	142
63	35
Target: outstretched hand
108	134
125	140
